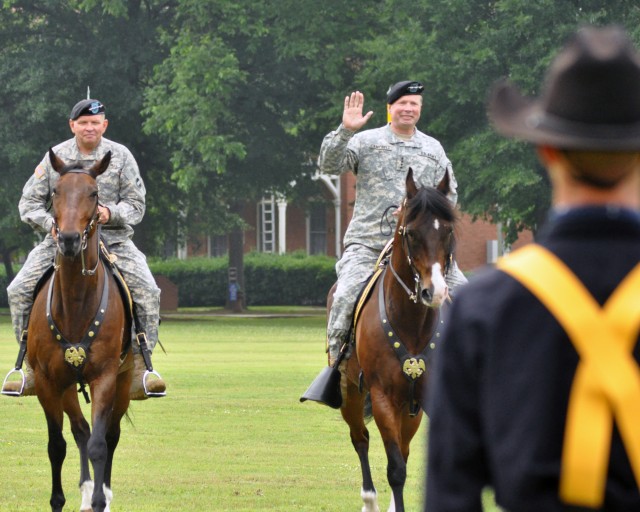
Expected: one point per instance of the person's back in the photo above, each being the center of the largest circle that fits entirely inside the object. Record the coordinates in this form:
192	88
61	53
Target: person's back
510	385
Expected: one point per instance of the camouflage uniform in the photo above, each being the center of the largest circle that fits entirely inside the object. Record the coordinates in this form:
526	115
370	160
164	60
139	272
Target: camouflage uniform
380	159
121	190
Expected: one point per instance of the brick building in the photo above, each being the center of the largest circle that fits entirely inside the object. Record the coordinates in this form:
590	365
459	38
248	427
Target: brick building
278	226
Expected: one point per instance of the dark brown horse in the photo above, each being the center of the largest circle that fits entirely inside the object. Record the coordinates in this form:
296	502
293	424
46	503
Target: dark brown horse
395	329
79	334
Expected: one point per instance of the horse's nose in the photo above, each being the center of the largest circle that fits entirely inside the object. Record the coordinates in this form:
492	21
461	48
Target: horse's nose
426	295
434	298
69	243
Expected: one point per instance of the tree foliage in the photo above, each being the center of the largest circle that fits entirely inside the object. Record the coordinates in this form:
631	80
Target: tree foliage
235	96
459	49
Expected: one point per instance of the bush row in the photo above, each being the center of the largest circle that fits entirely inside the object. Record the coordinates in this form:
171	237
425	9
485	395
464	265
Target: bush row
270	280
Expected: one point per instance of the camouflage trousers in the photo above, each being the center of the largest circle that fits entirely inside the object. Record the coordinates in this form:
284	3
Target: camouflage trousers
353	270
132	264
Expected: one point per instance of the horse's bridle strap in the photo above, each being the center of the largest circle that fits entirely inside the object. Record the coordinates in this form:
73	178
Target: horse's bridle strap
413	366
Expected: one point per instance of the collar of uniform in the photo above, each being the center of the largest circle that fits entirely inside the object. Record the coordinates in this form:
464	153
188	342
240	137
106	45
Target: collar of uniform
96	154
394	139
608	221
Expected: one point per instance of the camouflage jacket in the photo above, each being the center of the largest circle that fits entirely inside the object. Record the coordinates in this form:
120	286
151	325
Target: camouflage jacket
120	188
380	161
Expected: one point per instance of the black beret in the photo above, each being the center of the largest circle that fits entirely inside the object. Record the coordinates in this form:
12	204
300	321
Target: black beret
402	89
86	108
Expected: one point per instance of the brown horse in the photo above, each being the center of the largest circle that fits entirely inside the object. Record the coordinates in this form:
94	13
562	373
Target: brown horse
79	333
394	332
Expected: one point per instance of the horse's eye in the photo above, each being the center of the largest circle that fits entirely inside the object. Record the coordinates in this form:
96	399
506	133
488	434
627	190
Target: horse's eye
411	236
53	193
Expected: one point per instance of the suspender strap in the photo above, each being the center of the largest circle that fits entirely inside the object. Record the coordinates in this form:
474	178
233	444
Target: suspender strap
606	385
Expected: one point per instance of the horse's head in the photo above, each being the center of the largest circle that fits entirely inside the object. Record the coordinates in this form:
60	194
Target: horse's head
425	233
75	202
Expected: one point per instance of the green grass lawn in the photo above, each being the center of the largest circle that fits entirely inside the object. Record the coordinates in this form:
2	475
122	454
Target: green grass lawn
230	436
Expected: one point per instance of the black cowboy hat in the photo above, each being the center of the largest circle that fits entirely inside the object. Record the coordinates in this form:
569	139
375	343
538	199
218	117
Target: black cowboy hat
590	99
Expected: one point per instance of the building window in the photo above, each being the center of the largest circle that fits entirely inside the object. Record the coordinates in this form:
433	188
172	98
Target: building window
218	245
318	229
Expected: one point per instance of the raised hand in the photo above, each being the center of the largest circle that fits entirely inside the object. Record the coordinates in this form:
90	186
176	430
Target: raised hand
352	118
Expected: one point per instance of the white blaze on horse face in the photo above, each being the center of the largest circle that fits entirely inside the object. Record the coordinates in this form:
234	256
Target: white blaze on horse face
436	224
440	288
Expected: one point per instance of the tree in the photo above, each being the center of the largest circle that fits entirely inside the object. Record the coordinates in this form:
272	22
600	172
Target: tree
459	48
52	50
230	102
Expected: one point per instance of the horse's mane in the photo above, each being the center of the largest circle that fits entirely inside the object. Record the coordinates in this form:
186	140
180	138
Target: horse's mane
431	200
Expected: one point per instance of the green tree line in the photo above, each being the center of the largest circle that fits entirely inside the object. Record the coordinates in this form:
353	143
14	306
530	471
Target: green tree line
224	101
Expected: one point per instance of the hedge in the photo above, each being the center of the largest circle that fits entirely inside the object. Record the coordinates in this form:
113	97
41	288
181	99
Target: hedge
270	280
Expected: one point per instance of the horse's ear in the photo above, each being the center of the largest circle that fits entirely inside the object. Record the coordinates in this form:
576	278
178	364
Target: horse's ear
56	163
412	189
99	167
443	186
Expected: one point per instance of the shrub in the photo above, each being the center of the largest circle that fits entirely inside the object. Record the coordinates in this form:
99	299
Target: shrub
270	279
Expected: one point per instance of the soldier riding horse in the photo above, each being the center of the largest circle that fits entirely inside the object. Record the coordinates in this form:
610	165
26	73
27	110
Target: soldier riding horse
396	323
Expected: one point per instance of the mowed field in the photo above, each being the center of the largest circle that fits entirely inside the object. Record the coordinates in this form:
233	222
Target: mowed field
230	436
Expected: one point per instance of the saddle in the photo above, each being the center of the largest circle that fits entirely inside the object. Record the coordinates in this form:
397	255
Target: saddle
365	293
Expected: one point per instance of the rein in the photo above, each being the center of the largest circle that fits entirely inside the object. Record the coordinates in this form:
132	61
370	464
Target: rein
85	241
413	366
413	296
85	234
75	354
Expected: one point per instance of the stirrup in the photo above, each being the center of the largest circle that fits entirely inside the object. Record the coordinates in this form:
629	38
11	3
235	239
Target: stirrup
141	338
6	379
151	394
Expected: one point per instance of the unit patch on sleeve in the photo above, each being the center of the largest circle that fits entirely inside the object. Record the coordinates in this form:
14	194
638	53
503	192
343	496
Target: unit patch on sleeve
40	171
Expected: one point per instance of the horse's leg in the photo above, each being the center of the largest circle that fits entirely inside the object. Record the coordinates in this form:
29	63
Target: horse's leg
113	433
102	394
57	447
389	422
409	428
81	432
352	412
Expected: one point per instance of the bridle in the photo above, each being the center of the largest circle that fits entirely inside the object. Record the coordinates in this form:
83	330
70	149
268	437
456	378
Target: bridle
93	222
413	295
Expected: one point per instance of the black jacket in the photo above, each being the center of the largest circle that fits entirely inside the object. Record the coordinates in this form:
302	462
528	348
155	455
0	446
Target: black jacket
502	376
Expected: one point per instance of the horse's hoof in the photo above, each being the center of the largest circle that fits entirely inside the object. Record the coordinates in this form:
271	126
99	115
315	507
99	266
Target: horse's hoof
370	500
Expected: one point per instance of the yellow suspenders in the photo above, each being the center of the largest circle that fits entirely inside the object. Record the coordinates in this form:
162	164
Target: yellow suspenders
607	381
